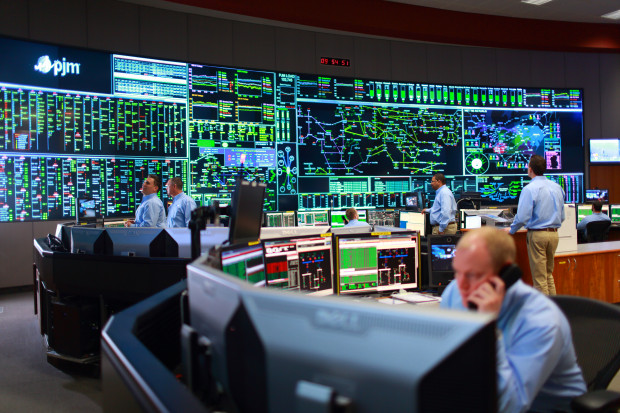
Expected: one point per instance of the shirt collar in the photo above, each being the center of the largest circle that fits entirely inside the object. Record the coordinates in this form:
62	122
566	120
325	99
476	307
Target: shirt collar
145	197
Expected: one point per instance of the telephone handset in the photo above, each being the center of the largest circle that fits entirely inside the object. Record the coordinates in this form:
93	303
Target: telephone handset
510	274
55	243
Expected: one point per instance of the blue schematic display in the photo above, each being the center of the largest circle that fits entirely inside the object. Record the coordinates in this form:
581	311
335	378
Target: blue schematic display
318	142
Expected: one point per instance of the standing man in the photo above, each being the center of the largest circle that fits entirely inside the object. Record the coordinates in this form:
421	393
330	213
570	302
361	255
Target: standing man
353	218
597	207
443	211
541	210
536	362
180	212
150	213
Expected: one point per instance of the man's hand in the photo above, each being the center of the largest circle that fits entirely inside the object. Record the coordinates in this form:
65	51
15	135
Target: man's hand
129	222
489	295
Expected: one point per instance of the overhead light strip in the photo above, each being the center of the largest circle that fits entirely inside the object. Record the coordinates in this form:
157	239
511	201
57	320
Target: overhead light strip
614	15
535	2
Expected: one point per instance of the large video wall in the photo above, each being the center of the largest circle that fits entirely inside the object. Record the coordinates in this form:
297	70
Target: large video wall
77	123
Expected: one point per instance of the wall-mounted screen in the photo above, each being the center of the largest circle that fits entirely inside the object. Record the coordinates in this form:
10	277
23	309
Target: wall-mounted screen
82	123
605	150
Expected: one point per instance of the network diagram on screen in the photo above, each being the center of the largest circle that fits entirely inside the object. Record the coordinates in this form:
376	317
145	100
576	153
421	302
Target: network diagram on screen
85	124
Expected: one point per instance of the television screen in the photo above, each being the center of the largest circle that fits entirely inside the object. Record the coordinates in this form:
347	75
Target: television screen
597	195
604	150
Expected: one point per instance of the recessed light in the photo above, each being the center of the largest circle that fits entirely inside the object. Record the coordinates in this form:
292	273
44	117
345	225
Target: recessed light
615	15
535	2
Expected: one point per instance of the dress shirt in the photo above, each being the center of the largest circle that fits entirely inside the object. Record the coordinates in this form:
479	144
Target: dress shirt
536	362
541	205
443	210
150	213
356	223
596	216
180	212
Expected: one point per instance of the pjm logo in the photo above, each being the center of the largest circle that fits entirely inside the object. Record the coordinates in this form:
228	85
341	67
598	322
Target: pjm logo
45	65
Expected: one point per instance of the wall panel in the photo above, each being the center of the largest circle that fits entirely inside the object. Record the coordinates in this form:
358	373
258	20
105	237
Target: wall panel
210	40
114	26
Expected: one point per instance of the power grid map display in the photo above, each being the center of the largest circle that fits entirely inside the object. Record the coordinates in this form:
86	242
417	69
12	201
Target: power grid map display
78	123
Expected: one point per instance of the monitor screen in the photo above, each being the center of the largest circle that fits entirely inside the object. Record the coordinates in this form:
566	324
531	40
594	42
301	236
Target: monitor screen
615	214
413	201
415	221
379	261
441	249
280	219
605	150
246	211
472	221
245	261
87	240
300	263
583	210
87	210
597	195
272	350
338	219
383	217
312	218
140	242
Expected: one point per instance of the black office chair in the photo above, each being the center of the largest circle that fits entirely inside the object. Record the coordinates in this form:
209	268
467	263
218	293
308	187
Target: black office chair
595	328
597	231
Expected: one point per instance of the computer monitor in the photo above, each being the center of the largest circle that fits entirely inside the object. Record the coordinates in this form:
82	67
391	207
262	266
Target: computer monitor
583	210
140	242
615	213
377	262
313	218
273	350
279	232
605	150
245	261
87	211
338	219
85	240
246	214
280	219
441	249
383	217
414	221
413	201
300	263
597	195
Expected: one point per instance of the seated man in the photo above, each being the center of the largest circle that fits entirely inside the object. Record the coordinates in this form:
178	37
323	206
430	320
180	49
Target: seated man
180	212
536	363
353	218
151	212
597	207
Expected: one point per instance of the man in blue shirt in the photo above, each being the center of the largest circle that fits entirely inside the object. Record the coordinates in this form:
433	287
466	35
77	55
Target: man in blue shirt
597	207
180	212
353	218
541	211
150	213
443	211
536	363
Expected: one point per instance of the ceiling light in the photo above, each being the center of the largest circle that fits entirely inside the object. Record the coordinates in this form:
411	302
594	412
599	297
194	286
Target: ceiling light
613	15
535	2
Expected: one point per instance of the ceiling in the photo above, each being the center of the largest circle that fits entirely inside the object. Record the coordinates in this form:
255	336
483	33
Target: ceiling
589	11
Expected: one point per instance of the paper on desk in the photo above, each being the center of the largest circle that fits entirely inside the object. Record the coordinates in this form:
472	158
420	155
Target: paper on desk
391	301
416	298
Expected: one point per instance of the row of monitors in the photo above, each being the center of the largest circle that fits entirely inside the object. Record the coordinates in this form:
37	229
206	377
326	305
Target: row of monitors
337	219
325	264
612	211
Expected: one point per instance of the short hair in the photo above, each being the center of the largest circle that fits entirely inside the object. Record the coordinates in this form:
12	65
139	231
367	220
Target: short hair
500	244
440	177
538	165
156	180
176	182
597	206
351	213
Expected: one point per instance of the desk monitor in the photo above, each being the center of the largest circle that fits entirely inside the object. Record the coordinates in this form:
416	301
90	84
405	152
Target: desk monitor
300	263
338	219
86	240
378	261
312	218
272	350
245	261
414	221
583	210
597	195
413	201
246	215
615	214
140	242
383	217
280	219
279	232
441	250
87	211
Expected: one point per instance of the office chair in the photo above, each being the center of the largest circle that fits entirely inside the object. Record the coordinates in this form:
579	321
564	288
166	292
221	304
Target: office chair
595	329
597	231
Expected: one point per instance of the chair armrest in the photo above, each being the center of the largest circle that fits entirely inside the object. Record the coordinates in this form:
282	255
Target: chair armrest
596	401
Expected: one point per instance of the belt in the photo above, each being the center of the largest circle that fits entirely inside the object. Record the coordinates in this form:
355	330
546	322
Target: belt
449	223
543	229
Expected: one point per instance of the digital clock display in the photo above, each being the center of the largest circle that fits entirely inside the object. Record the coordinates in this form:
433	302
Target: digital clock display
335	61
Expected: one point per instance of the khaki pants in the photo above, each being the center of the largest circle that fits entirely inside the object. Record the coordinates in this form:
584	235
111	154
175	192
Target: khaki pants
450	229
541	246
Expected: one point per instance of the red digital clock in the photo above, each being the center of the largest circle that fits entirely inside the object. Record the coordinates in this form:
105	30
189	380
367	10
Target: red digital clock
335	61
